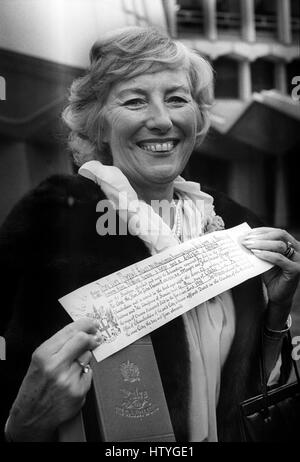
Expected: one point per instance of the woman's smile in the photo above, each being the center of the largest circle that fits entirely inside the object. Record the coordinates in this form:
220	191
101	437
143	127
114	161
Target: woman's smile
150	126
161	145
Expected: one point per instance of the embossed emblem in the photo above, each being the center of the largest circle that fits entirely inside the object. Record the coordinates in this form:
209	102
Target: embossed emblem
135	400
136	403
130	372
109	328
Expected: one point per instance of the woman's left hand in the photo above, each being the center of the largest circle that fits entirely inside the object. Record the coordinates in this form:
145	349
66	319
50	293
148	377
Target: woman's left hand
271	245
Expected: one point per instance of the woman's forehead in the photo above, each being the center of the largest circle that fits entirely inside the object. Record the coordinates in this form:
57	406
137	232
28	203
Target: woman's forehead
166	80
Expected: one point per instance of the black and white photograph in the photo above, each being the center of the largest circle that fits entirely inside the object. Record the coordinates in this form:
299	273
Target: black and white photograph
149	223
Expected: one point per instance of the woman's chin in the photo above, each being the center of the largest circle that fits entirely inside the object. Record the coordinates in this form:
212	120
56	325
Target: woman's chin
164	174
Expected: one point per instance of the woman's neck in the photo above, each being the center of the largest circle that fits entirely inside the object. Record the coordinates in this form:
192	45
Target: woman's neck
159	197
157	192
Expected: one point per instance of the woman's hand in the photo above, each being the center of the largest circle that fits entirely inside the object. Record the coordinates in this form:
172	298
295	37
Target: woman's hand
55	386
270	244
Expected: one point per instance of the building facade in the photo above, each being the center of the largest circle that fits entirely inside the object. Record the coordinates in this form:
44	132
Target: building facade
253	46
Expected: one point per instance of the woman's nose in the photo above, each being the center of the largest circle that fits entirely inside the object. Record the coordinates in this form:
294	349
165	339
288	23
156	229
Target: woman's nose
159	118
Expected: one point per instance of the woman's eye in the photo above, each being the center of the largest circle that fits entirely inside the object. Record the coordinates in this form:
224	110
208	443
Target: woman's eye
177	100
134	103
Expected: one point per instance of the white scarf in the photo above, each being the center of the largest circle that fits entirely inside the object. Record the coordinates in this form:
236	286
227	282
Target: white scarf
210	326
157	235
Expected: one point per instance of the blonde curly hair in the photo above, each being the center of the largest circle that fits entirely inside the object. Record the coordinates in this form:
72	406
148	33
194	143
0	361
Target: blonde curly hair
119	55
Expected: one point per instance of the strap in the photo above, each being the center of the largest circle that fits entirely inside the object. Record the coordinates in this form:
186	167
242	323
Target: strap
263	377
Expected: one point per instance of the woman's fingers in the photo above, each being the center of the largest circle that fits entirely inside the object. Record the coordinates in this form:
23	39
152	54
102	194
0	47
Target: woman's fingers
56	382
79	380
81	372
65	346
85	357
272	244
279	247
262	244
82	365
273	234
278	259
77	345
56	342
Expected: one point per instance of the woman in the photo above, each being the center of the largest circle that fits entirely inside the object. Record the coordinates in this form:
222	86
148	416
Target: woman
140	109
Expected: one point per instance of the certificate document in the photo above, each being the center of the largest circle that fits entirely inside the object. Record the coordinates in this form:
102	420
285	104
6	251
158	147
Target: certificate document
138	299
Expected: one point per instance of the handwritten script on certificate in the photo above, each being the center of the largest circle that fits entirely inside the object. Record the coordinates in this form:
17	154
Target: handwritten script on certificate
138	299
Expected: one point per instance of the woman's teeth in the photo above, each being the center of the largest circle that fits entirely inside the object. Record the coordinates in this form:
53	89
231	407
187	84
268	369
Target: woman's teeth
158	146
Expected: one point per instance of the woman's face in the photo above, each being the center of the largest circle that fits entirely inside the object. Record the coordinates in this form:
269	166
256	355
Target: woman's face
150	124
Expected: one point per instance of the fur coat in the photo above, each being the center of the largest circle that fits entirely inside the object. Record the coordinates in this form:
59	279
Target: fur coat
49	247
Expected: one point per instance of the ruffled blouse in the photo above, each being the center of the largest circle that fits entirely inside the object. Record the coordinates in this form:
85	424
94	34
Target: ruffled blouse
210	326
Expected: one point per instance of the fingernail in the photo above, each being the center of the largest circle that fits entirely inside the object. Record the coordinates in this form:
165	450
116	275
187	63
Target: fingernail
98	338
256	251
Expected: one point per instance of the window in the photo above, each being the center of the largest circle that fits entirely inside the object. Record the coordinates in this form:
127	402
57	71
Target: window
295	20
229	16
190	18
226	86
262	75
266	18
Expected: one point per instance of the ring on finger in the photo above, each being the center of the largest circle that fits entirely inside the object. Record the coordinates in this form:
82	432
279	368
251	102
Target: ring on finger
85	368
289	252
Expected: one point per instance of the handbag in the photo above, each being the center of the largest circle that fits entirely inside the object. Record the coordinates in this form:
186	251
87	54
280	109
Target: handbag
274	415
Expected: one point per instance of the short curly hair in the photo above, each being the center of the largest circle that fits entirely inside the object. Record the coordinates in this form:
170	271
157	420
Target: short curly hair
119	55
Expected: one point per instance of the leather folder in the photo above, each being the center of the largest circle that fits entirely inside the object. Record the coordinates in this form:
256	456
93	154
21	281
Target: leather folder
126	402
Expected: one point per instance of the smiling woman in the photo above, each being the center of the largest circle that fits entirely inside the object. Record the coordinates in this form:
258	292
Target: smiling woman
150	124
116	62
135	118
